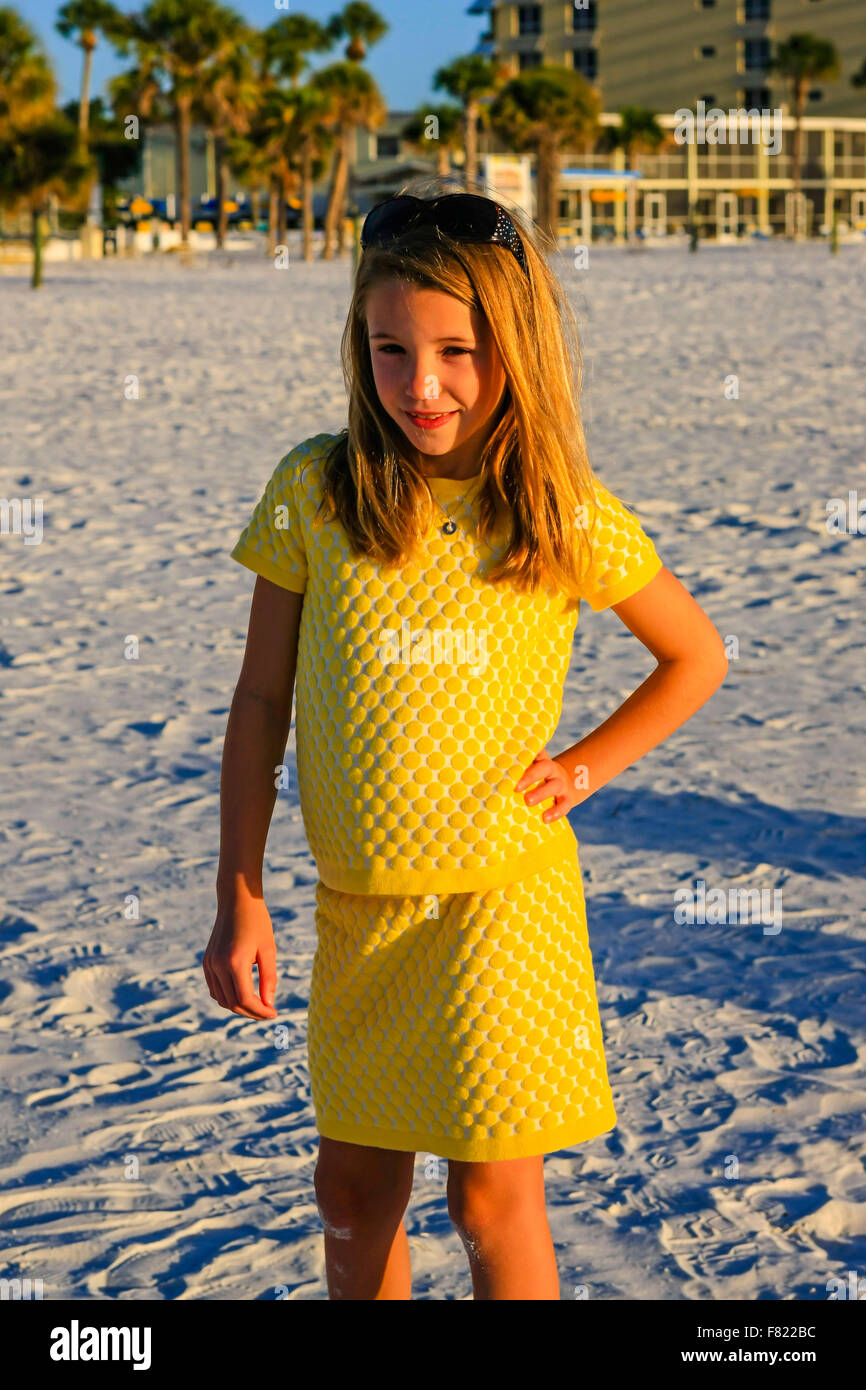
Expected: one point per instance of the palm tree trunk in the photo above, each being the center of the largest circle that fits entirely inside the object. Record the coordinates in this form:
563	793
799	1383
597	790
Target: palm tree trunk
443	161
470	140
335	202
273	213
88	43
222	189
282	231
307	176
182	123
344	201
36	239
254	205
548	186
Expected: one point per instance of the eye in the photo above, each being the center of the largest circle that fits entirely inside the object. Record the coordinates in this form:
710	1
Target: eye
395	347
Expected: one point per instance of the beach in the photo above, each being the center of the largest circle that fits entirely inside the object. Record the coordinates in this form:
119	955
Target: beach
153	1146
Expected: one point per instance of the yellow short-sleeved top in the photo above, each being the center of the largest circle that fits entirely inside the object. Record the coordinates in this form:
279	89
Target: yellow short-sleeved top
423	691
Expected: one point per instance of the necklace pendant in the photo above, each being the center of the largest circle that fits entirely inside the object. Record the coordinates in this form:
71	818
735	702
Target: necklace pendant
449	528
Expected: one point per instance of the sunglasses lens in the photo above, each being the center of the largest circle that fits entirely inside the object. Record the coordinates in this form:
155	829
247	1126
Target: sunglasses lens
466	215
389	219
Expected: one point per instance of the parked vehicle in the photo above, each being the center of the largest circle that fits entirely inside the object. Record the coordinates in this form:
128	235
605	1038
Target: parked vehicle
207	210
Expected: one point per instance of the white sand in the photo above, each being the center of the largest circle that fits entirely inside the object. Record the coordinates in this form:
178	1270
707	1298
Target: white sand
722	1040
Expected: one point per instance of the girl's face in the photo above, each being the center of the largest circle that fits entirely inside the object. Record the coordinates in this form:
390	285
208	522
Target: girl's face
434	357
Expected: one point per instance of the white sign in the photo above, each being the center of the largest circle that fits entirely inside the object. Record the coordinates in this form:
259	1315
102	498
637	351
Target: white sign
509	177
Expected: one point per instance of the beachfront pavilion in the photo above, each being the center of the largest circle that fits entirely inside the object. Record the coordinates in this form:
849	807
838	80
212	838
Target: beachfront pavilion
730	189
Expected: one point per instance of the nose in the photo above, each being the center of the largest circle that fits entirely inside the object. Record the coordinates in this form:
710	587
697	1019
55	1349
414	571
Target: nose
422	381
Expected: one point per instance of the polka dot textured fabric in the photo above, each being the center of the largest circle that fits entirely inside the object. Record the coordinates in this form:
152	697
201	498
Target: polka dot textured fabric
465	1025
423	692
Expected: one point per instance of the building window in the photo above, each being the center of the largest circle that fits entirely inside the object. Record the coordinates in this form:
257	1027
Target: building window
757	53
583	16
529	60
586	62
528	20
387	146
756	10
708	4
816	94
708	98
757	97
708	51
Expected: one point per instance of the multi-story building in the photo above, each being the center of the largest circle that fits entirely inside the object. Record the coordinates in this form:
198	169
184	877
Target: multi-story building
667	54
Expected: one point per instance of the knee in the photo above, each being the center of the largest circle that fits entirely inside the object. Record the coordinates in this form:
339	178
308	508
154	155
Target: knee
473	1208
349	1202
483	1203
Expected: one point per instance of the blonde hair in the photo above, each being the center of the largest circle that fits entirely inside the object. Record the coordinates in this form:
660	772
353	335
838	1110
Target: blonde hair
536	474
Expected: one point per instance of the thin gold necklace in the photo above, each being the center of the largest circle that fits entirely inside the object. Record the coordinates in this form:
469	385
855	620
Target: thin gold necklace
450	525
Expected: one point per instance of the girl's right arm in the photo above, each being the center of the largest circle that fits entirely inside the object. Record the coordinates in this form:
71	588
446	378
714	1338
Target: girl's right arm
256	735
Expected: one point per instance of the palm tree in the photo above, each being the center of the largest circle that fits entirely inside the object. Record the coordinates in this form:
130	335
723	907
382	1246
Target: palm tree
245	152
361	25
544	110
287	44
226	103
87	19
115	157
638	129
284	129
26	80
468	80
175	43
137	91
275	134
353	100
39	153
314	143
449	133
803	59
35	162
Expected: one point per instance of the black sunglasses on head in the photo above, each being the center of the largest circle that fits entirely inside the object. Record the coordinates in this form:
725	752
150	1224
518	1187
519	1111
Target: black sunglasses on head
463	216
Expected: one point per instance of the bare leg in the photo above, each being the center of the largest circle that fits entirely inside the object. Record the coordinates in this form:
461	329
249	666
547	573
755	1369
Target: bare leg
499	1213
362	1193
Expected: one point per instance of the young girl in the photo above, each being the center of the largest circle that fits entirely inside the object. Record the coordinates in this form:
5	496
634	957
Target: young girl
421	572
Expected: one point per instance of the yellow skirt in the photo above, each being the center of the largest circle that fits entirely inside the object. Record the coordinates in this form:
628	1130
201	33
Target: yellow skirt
464	1025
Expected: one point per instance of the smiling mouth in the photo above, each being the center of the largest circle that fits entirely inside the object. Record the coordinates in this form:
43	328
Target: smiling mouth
428	417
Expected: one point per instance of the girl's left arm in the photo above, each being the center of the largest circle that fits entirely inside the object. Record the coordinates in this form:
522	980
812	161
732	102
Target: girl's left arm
691	665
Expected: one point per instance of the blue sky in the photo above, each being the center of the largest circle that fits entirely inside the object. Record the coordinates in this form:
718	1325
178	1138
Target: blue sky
424	35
